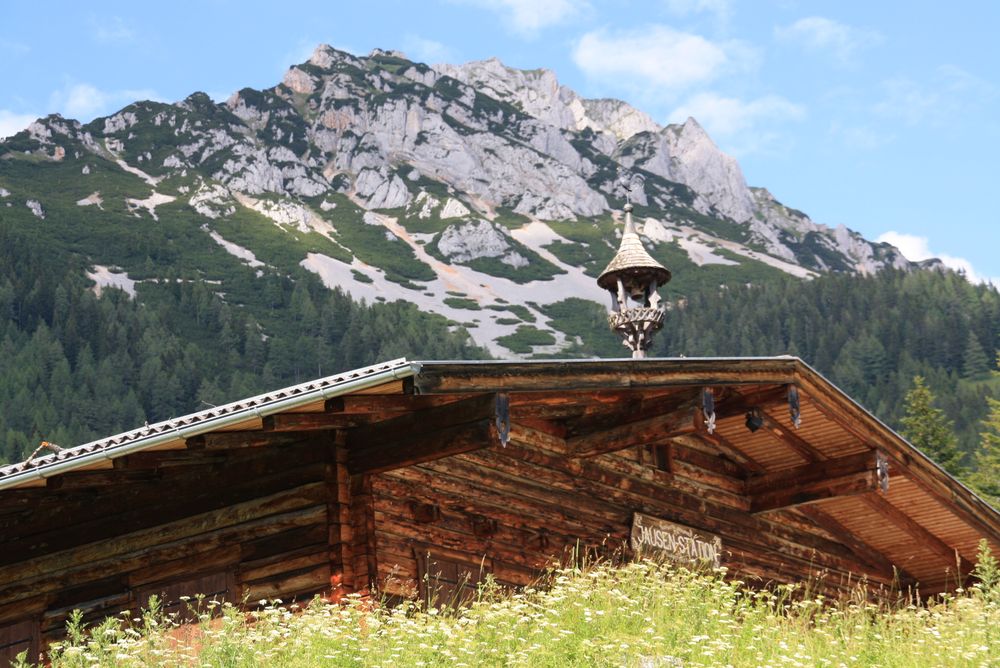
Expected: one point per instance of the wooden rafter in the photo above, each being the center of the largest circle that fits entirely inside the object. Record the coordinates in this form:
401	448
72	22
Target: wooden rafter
791	439
924	537
874	558
848	416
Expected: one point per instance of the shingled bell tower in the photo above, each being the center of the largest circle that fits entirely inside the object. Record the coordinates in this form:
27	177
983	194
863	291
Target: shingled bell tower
632	277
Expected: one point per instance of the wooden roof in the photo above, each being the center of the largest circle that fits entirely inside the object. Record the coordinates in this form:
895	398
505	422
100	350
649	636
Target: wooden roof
823	472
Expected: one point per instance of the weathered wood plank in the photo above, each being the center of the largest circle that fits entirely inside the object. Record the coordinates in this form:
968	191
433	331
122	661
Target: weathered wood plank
29	581
793	495
136	541
813	472
655	429
284	422
378	456
426	421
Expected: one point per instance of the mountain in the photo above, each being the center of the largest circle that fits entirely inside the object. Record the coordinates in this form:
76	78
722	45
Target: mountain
171	256
485	194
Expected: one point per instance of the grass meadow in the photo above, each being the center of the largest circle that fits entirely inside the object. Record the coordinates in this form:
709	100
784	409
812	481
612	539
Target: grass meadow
640	614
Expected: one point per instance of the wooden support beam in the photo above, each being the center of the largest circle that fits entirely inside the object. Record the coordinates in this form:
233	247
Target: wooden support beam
425	421
379	457
640	408
388	403
883	566
284	422
792	440
530	433
846	476
870	460
445	377
846	485
225	440
84	479
921	535
656	429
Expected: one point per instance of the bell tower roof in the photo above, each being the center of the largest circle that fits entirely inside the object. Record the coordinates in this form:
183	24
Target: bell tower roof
632	260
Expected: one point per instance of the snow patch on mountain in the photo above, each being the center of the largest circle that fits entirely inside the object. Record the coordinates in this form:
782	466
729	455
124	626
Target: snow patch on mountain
93	199
244	254
104	277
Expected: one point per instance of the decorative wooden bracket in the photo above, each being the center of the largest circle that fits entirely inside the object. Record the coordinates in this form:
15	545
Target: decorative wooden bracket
502	412
794	411
482	526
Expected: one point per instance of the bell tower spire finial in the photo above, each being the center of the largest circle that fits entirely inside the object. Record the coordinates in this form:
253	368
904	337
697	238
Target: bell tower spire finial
632	277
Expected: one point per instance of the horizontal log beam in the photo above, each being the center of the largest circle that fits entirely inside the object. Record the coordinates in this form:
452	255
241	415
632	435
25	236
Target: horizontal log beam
285	422
425	421
225	440
370	454
388	403
730	451
806	474
444	377
641	408
847	476
655	429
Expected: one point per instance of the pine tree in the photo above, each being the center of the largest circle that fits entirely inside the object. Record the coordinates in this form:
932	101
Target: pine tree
974	362
986	478
927	428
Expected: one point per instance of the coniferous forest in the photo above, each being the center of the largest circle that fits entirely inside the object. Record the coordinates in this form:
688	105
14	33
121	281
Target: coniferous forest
75	366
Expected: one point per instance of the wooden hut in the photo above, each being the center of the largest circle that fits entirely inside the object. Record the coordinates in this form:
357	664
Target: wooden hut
380	476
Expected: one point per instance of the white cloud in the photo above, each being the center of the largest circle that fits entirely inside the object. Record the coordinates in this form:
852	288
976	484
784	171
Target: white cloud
817	33
720	8
860	137
84	101
113	30
11	123
950	93
528	17
916	248
426	50
18	48
729	116
657	60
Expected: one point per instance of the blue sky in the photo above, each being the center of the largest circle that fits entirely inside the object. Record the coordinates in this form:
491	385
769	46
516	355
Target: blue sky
883	116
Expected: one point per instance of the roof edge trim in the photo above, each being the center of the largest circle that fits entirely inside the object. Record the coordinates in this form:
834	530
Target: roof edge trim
404	369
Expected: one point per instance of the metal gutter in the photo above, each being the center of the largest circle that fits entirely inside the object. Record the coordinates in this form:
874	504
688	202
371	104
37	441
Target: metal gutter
395	370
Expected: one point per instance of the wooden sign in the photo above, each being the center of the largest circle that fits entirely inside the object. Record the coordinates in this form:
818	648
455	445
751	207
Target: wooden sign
653	537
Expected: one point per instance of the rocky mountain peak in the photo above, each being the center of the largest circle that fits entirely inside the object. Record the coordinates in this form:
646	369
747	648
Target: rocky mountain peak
439	185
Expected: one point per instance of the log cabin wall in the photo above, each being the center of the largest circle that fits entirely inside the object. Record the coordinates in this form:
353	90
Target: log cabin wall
515	509
232	522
